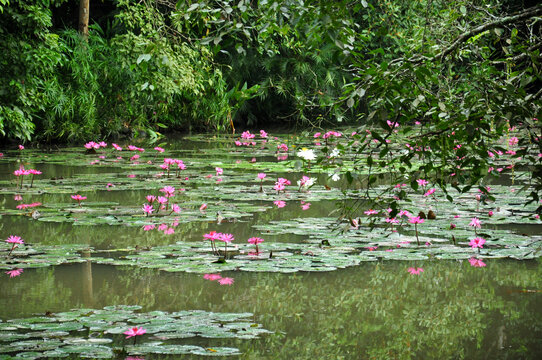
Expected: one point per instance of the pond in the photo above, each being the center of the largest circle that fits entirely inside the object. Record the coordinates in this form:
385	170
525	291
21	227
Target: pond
319	286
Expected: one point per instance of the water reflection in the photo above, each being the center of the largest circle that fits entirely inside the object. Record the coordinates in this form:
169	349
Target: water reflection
373	311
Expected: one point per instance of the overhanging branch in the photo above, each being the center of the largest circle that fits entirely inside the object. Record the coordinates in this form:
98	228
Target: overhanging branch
526	14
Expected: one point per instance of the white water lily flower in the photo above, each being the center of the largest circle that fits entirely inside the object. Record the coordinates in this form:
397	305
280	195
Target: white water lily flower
307	154
336	177
334	153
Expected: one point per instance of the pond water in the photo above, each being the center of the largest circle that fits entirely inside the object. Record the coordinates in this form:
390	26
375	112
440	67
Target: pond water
320	288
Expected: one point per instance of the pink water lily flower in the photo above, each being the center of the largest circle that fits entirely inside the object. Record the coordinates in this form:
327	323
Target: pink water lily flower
255	241
261	176
159	149
279	203
15	240
422	182
203	207
416	220
148	209
370	212
168	191
415	271
78	198
477	242
226	281
475	222
476	262
219	171
14	273
133	332
212	277
149	227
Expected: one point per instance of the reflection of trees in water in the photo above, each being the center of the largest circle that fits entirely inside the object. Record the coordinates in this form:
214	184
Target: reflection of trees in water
372	311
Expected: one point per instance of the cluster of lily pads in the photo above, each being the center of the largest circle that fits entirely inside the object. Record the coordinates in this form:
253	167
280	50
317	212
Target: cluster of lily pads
326	243
97	333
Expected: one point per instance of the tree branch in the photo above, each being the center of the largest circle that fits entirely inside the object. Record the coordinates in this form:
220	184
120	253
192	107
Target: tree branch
530	12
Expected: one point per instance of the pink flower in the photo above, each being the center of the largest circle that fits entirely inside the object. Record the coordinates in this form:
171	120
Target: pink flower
149	227
78	198
162	199
490	213
475	222
159	149
372	248
176	208
452	226
317	135
392	124
416	220
430	192
305	206
247	135
151	198
116	147
212	277
12	239
169	191
162	227
213	235
263	134
148	209
261	176
134	332
226	281
415	271
219	171
25	206
169	231
279	203
14	273
477	242
476	262
203	207
513	141
422	182
18	198
227	238
370	212
282	147
255	240
21	147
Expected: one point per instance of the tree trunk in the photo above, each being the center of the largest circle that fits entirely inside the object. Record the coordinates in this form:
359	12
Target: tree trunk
83	18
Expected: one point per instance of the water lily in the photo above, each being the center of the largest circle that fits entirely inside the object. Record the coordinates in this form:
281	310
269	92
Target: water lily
212	277
415	271
15	241
14	273
78	198
476	262
255	241
306	154
134	332
477	242
226	281
416	220
148	209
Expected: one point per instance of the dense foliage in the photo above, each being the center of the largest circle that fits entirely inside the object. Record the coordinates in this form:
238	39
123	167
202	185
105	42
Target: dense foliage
467	71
